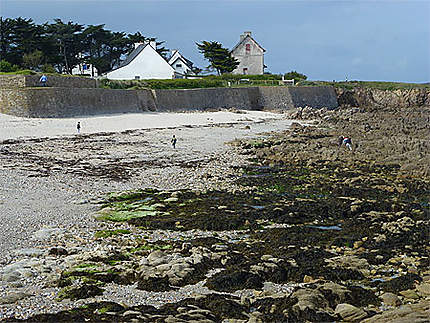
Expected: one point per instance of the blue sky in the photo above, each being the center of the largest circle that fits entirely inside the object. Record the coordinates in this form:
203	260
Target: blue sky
326	40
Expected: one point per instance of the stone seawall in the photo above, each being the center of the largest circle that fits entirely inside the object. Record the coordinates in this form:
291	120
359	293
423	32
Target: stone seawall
66	102
20	81
284	98
201	99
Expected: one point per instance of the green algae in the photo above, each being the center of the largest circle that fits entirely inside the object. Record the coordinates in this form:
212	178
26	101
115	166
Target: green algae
124	216
110	233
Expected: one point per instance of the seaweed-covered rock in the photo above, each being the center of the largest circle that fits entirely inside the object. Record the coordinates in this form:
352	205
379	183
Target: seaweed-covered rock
228	281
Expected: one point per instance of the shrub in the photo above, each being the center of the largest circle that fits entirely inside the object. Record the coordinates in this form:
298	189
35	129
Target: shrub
5	66
296	76
47	68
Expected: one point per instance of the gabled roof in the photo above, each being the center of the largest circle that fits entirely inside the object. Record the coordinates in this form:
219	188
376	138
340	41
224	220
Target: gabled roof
183	60
246	37
173	59
133	55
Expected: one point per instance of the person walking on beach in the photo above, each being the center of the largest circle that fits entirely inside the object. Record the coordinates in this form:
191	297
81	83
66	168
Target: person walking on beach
78	126
173	141
43	79
345	141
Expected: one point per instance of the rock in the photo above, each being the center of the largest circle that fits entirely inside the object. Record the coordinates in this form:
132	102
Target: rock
157	257
130	312
58	251
46	233
404	314
29	252
171	199
12	297
349	312
308	279
79	292
390	299
424	289
309	299
335	293
409	294
350	262
11	276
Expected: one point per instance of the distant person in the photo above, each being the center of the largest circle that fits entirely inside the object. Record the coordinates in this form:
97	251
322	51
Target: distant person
78	126
345	141
173	141
43	79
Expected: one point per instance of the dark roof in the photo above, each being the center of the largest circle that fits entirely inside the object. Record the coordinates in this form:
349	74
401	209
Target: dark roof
240	42
133	55
185	60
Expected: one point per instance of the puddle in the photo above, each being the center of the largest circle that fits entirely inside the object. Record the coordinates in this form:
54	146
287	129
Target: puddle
255	207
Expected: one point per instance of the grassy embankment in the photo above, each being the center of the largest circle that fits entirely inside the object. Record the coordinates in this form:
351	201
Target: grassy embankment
227	80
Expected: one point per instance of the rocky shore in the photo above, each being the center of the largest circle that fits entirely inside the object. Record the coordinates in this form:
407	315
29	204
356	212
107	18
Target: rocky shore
281	226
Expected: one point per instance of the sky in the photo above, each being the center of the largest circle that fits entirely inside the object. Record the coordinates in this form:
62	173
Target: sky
386	40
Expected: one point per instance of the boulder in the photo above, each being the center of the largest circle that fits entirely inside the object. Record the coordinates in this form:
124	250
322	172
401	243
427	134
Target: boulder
350	313
390	299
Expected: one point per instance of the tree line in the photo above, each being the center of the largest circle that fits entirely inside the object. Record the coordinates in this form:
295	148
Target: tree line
60	46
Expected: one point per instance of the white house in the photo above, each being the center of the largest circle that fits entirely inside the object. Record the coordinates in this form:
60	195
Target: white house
181	65
144	62
249	54
85	70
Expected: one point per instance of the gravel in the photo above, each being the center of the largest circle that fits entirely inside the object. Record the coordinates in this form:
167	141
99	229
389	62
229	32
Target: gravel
41	192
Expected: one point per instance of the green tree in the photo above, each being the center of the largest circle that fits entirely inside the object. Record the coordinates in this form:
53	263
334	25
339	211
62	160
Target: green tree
7	27
219	58
18	37
69	43
33	60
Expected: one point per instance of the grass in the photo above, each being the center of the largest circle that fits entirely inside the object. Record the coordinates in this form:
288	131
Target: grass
21	72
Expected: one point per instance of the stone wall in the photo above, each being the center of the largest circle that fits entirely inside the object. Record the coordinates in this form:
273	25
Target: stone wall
202	99
19	81
14	102
66	102
11	81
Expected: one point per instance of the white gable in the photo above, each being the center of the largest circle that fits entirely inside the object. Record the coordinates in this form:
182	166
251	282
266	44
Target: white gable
147	64
179	63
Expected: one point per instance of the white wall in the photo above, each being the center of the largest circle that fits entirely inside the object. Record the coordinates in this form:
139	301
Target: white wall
147	65
183	69
79	70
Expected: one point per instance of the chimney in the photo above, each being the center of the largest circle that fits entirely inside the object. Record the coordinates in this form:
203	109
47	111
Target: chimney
246	33
137	45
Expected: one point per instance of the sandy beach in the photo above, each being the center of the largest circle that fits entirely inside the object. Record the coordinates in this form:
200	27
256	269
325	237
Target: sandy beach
16	127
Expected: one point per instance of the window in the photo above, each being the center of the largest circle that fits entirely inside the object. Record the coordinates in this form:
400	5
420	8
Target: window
245	70
137	77
248	48
178	65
